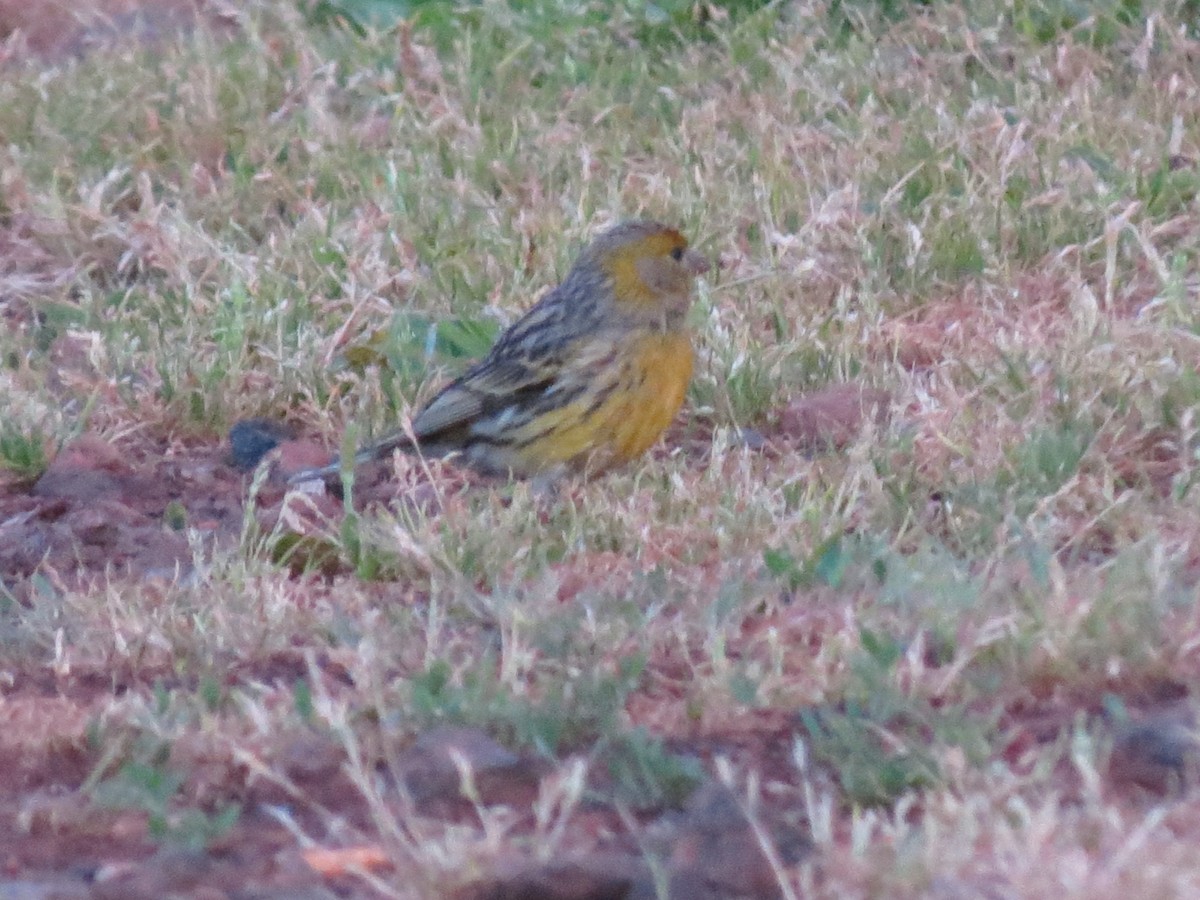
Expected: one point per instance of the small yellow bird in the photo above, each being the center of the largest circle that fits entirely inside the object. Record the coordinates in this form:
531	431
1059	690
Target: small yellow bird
589	378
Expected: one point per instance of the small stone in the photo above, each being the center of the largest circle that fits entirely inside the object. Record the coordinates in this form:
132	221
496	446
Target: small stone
311	757
1161	755
252	439
600	876
76	484
752	439
833	417
430	766
57	889
715	845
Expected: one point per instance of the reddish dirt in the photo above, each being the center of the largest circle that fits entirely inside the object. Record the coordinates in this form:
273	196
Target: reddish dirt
53	838
102	510
99	507
118	510
56	841
53	29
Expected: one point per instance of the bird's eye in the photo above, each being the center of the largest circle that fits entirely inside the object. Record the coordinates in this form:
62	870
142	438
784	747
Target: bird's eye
677	254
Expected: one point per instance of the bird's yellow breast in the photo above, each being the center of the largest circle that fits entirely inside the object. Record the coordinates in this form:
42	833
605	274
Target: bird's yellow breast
661	367
633	392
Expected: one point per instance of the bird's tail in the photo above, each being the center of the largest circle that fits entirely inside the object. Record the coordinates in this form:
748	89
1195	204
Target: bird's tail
397	440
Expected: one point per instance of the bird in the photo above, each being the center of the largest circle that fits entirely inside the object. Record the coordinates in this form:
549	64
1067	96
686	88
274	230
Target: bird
587	379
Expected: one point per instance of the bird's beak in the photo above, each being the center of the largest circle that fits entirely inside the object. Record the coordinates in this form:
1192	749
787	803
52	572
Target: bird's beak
694	262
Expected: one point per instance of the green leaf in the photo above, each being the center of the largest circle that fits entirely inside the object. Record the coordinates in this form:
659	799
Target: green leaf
362	14
466	337
883	649
830	562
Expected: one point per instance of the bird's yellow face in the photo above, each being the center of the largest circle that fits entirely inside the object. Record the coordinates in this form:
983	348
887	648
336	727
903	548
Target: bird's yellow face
652	272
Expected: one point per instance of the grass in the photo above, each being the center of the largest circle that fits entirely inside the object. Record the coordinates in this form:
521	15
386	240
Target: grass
990	212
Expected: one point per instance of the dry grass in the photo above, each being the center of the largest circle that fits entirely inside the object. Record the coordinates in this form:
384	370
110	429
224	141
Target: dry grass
924	642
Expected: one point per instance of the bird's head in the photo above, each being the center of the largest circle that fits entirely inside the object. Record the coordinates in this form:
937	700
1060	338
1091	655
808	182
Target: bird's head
650	268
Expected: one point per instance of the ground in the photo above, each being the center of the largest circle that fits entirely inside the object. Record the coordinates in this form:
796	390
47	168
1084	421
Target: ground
904	604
